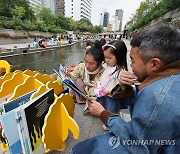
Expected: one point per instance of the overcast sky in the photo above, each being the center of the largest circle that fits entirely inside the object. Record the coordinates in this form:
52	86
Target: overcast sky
129	7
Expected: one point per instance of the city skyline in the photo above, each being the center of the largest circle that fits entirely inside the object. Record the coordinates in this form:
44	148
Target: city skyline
128	6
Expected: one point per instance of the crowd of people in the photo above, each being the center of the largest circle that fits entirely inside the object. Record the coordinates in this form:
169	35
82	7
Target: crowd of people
149	91
42	42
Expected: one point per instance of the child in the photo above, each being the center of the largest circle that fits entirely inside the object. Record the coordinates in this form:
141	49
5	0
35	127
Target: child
115	58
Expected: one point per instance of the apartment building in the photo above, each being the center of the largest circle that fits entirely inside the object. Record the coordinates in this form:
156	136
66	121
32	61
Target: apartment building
75	9
49	4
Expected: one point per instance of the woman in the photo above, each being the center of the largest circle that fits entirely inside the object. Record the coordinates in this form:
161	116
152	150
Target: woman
87	73
89	44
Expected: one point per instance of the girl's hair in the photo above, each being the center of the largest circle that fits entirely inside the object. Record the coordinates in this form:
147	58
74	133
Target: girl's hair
119	50
96	51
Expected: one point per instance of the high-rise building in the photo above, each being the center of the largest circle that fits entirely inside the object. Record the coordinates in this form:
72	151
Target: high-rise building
106	19
75	9
36	5
119	14
101	19
60	7
49	4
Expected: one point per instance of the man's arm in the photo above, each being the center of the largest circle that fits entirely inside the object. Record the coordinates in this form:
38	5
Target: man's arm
118	127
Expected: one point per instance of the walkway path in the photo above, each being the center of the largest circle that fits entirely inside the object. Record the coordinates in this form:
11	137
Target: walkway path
89	125
11	46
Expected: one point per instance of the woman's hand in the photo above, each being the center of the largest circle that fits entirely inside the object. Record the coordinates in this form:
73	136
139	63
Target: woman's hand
95	107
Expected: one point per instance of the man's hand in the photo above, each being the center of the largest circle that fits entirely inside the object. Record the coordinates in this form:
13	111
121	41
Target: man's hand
127	78
95	107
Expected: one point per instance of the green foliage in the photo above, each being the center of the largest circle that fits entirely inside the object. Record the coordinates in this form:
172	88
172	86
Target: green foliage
7	8
98	29
154	9
19	12
46	16
61	21
85	21
29	26
84	25
18	15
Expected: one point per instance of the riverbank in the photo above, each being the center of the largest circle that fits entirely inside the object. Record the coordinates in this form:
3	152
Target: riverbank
28	48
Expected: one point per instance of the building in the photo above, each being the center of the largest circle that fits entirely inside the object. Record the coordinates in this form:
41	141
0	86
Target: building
115	23
119	15
75	9
60	7
49	4
36	5
101	19
106	19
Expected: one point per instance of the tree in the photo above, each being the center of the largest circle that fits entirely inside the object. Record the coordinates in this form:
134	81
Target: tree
84	25
7	7
46	16
153	9
85	21
72	25
19	12
98	29
61	21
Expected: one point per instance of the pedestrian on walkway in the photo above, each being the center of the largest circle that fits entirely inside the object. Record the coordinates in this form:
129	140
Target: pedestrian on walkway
154	105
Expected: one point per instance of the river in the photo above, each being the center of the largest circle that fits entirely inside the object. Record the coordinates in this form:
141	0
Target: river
47	60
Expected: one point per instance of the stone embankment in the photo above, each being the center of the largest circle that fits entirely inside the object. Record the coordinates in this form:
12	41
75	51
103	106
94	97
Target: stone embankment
172	16
28	50
13	42
10	36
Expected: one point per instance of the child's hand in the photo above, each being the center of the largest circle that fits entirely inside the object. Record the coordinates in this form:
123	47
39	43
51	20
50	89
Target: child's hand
103	93
69	69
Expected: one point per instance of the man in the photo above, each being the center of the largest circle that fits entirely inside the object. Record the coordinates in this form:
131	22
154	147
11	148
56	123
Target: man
154	105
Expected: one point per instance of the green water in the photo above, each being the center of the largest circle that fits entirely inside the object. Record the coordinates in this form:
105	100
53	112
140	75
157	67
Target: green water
47	60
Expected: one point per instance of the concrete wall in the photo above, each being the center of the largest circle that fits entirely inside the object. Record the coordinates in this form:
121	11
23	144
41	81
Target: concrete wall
167	17
9	36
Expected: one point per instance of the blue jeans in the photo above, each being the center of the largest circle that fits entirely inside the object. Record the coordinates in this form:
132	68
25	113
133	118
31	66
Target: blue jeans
102	144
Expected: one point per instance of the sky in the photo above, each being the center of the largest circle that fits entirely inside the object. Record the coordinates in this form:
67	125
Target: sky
128	6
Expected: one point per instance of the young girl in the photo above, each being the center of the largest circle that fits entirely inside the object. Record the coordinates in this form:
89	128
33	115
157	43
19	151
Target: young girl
115	58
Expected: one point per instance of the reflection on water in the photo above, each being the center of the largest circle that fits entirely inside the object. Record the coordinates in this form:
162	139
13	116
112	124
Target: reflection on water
47	60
